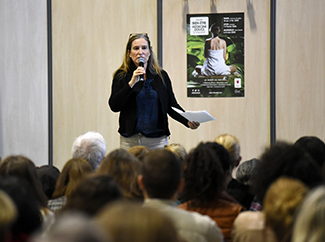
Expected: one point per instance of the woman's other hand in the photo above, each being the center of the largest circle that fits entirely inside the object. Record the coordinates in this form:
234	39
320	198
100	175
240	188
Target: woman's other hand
193	125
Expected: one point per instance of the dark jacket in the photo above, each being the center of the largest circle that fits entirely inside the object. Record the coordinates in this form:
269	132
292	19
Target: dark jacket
123	100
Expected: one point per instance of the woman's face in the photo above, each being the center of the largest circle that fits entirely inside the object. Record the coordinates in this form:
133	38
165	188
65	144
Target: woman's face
139	49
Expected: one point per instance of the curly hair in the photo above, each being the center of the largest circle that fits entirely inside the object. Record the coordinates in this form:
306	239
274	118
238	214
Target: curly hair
284	159
204	173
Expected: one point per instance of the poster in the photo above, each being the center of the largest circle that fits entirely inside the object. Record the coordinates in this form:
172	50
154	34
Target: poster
215	55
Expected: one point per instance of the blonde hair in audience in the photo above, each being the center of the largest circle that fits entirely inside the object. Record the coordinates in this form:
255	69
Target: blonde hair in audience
177	149
124	222
231	144
8	213
309	224
139	151
281	201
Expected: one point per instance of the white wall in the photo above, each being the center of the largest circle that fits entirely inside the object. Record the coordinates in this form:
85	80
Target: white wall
23	79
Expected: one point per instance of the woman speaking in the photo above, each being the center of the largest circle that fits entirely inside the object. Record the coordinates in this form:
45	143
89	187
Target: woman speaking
143	94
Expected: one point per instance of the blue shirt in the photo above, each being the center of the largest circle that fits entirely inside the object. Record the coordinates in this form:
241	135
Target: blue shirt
147	106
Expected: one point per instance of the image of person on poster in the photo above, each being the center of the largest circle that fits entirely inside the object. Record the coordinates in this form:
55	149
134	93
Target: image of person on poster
215	51
142	93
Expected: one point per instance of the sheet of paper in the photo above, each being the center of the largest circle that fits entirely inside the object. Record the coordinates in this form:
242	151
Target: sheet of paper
198	116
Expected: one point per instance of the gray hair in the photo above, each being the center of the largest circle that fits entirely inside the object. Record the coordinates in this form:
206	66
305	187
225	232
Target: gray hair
245	170
91	147
72	227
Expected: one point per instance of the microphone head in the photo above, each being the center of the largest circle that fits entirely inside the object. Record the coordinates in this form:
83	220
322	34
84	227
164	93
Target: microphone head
141	61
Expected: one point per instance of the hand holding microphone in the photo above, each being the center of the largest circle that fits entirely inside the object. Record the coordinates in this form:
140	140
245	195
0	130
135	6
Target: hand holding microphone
141	63
136	73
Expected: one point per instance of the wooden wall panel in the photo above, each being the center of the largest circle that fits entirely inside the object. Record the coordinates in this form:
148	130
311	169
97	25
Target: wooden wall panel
248	117
300	63
23	80
89	39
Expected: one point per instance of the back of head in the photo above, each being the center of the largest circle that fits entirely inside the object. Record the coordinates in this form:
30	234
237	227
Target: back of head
8	214
25	169
92	194
314	146
124	168
125	222
205	172
177	149
91	147
215	29
72	173
281	201
28	211
72	227
231	144
284	159
139	151
245	171
48	176
309	224
161	173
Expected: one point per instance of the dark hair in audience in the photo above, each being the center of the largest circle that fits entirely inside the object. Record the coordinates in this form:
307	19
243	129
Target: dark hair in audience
204	174
124	168
161	173
29	213
92	194
72	173
284	159
48	176
25	169
314	146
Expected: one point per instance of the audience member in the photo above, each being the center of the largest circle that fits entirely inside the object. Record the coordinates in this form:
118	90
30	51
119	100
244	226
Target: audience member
73	227
124	168
283	159
139	151
48	176
8	214
239	188
275	222
92	194
25	169
309	224
72	173
313	146
124	222
161	182
239	191
29	219
91	147
177	149
207	174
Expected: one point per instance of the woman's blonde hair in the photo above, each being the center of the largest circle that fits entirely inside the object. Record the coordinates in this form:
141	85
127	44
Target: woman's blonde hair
281	201
309	225
124	222
231	144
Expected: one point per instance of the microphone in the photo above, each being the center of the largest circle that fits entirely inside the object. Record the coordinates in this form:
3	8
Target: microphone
141	63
